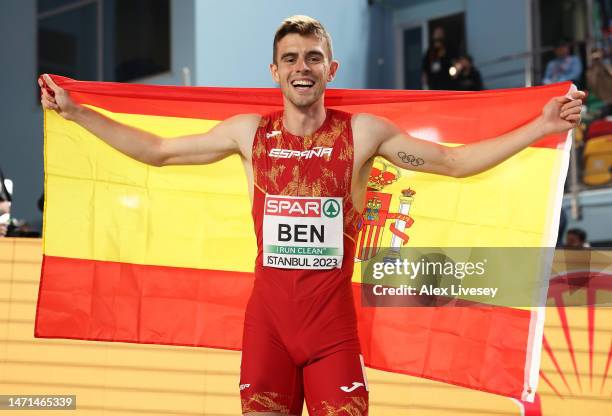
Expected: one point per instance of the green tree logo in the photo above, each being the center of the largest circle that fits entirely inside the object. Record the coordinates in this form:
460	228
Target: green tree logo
331	208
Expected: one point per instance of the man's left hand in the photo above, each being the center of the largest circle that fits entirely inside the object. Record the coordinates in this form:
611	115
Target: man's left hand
562	113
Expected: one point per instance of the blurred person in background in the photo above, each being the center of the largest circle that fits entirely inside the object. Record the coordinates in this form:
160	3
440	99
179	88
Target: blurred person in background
576	238
465	76
565	67
5	205
599	79
9	226
437	63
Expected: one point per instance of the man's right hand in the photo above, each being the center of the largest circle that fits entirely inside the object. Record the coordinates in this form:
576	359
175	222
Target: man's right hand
56	98
232	136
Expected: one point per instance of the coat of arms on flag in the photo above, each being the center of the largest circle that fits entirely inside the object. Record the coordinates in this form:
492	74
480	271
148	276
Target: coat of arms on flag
376	213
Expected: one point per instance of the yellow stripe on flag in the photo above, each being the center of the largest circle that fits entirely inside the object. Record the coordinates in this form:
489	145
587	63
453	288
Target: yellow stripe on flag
189	216
502	207
129	212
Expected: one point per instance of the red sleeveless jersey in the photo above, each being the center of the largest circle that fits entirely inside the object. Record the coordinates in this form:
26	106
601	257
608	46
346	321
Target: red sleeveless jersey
318	165
300	329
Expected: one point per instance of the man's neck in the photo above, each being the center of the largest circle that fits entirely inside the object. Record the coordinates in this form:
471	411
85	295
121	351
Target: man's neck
303	121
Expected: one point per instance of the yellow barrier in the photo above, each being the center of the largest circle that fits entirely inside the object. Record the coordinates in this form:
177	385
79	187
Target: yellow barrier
133	379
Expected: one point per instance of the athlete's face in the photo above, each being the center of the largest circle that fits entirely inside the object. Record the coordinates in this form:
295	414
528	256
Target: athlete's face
302	68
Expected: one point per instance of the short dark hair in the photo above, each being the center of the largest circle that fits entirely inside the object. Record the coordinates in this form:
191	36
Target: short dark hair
578	232
302	25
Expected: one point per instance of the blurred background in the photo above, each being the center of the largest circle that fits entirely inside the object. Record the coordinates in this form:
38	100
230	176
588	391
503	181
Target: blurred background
403	44
382	44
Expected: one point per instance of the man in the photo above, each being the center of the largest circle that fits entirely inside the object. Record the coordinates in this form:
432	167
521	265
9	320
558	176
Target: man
576	238
437	62
599	79
564	67
467	77
300	335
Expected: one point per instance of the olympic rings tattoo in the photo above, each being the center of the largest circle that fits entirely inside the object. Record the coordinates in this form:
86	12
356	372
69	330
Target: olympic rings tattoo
410	159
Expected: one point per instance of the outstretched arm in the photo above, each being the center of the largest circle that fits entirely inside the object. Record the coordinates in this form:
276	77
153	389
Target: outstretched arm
223	140
558	115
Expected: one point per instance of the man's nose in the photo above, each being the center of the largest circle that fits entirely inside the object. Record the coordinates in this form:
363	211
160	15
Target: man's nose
302	65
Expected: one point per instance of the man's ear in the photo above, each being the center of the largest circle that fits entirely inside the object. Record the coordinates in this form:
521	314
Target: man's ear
274	72
333	67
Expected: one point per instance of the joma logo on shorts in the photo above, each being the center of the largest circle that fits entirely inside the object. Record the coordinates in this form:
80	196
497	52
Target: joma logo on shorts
305	207
355	385
307	154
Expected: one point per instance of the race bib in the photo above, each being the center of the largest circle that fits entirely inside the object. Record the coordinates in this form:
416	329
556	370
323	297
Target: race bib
302	232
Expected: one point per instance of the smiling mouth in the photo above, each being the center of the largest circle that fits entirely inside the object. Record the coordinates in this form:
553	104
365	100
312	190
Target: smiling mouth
302	84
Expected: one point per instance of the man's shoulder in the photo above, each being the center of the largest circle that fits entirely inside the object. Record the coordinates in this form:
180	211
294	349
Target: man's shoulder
368	121
241	127
372	128
243	123
244	120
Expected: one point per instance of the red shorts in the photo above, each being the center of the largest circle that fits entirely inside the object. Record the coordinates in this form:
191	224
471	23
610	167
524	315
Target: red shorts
297	349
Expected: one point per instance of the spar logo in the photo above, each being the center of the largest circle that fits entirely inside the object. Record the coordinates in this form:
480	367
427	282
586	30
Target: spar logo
291	207
331	208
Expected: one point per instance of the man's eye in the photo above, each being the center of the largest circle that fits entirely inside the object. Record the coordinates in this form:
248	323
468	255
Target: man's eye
315	59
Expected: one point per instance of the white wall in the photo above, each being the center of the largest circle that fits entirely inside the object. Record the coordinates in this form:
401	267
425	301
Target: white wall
596	214
497	28
234	39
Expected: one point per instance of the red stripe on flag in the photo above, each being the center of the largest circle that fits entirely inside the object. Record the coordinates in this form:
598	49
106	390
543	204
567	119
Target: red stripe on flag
108	301
482	347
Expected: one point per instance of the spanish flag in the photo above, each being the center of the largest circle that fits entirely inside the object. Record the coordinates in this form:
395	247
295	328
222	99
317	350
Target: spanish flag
134	253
